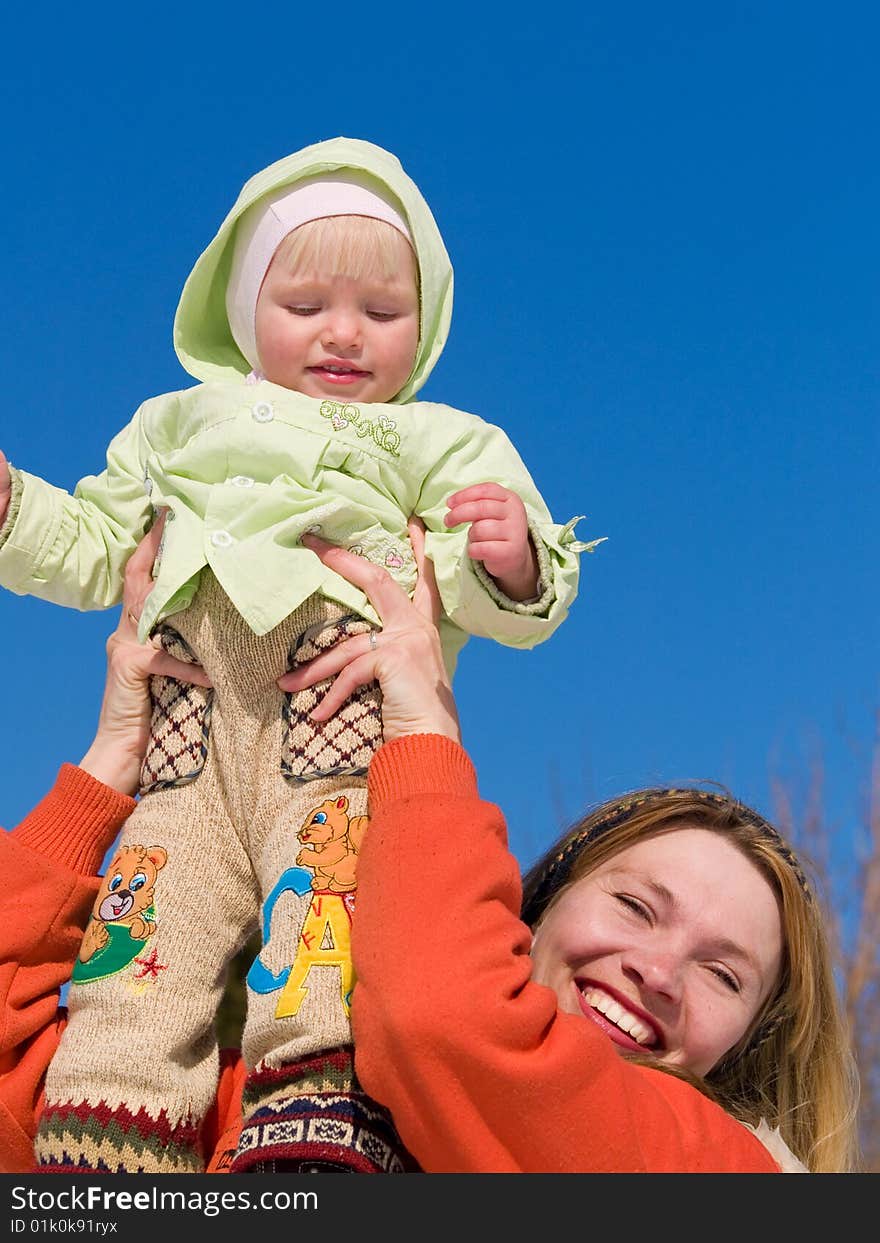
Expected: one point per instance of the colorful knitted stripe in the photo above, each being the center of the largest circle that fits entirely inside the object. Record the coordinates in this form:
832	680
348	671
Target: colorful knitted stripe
84	1138
313	1111
329	1071
347	1130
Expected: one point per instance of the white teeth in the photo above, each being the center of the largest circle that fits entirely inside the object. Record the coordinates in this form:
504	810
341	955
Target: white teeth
615	1013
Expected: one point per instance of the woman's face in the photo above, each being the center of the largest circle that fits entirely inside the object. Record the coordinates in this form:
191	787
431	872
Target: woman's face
671	947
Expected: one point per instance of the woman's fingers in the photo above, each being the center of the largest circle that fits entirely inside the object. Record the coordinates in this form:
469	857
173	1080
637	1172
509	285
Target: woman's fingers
405	657
360	672
326	665
131	664
426	596
138	580
416	529
120	742
386	596
165	666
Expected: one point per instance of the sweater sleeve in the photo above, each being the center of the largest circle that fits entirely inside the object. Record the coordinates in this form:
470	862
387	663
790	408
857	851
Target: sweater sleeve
48	864
480	1070
72	550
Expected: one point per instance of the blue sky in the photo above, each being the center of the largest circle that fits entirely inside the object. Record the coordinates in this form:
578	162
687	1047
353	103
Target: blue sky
663	223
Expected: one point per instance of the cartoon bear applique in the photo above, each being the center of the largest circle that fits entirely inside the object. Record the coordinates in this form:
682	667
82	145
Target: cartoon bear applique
331	842
125	899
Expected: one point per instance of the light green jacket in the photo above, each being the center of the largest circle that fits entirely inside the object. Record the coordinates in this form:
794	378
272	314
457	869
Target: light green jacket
246	467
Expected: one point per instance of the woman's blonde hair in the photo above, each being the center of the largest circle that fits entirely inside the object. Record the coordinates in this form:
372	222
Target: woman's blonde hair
794	1067
358	247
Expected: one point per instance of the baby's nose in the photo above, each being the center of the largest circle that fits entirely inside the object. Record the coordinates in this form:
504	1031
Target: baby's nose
343	330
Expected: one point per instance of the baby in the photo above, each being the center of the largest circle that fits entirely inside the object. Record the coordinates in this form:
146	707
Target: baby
311	321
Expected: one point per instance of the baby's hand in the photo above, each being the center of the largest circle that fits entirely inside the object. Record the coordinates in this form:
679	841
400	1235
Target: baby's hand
5	487
499	536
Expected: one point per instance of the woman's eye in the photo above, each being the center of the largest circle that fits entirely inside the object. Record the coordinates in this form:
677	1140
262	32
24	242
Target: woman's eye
730	981
633	904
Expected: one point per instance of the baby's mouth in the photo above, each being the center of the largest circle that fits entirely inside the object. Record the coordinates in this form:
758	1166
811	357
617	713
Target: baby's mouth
338	373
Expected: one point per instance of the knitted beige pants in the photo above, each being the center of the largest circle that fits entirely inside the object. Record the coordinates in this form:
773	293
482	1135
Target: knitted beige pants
251	816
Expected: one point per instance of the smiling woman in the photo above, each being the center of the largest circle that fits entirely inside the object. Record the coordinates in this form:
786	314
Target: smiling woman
673	931
688	911
640	946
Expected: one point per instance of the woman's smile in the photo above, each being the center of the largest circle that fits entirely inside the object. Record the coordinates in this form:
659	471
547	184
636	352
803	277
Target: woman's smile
626	1024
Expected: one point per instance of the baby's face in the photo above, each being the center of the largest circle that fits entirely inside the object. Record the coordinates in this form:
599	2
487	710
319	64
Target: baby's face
336	336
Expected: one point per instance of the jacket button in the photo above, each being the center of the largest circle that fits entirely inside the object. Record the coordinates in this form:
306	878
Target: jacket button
263	412
242	481
221	539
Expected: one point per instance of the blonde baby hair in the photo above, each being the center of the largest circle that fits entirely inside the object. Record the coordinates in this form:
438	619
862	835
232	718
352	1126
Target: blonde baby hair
358	247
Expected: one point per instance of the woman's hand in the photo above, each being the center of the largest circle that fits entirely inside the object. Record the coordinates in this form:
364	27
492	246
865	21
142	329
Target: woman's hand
404	657
118	749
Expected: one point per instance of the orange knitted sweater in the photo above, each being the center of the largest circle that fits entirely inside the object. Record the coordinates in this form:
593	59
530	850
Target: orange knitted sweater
479	1069
49	865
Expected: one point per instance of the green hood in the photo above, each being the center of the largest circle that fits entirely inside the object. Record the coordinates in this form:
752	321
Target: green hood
202	336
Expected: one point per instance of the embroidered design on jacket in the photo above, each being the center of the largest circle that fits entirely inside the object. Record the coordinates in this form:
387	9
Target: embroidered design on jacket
383	430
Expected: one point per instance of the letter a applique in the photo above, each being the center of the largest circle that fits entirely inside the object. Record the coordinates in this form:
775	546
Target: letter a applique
325	941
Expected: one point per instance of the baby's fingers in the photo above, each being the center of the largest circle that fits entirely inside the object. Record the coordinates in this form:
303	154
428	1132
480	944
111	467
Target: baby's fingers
475	511
491	530
5	487
479	492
